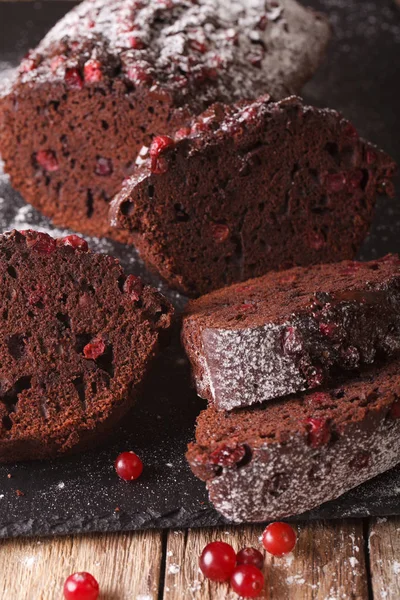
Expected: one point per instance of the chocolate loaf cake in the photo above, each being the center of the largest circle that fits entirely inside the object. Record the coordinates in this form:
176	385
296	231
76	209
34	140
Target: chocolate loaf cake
250	188
111	74
77	336
289	456
293	330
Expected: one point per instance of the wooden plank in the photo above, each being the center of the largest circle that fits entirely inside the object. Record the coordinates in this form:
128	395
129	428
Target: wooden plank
127	566
328	563
384	551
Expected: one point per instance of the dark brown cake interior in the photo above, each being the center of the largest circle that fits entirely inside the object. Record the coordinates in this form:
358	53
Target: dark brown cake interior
76	338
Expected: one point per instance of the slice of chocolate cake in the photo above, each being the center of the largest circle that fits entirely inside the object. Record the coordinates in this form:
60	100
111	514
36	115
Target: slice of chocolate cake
293	330
77	336
250	188
110	74
294	454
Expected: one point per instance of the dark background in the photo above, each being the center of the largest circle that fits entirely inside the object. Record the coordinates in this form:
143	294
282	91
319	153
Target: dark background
361	79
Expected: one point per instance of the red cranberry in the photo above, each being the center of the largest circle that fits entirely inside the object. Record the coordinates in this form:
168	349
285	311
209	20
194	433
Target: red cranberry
198	46
104	167
92	71
220	232
81	586
27	65
328	329
182	133
133	286
314	376
292	342
217	561
138	74
56	62
74	241
262	23
247	581
250	556
227	456
47	160
94	349
371	157
395	410
319	434
335	182
40	242
73	78
279	538
354	179
128	466
350	131
360	461
136	43
158	146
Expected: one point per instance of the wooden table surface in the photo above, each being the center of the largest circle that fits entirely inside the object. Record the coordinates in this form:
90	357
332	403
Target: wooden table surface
335	560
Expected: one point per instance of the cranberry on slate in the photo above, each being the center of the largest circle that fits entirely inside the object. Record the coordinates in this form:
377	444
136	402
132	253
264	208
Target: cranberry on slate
74	241
217	561
250	556
247	581
103	167
92	71
81	586
133	286
319	432
158	146
220	232
94	349
73	78
227	456
279	538
395	410
47	160
128	466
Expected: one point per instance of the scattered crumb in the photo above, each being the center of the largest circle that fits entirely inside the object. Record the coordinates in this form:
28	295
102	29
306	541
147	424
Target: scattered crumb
9	475
61	485
1	496
169	553
169	465
28	561
117	509
19	493
381	520
173	569
396	567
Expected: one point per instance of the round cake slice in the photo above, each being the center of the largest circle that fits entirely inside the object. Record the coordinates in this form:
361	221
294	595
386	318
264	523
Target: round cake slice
76	339
292	330
292	455
250	188
111	74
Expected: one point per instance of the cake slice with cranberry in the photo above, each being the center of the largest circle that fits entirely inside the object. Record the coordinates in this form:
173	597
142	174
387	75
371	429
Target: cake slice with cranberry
77	337
292	455
111	74
292	330
249	188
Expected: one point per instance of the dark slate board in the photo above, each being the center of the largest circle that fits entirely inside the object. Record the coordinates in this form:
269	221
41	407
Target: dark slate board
81	493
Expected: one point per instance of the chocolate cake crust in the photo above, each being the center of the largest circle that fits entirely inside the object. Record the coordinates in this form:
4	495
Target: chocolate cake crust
294	330
289	456
77	337
250	188
109	75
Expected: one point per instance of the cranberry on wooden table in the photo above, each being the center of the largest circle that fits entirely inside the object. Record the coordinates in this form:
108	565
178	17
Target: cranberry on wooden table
279	538
247	581
250	556
81	586
217	561
128	466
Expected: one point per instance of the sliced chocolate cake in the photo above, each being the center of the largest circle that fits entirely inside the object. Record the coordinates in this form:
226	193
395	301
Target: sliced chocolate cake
250	188
77	336
291	455
292	330
111	74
